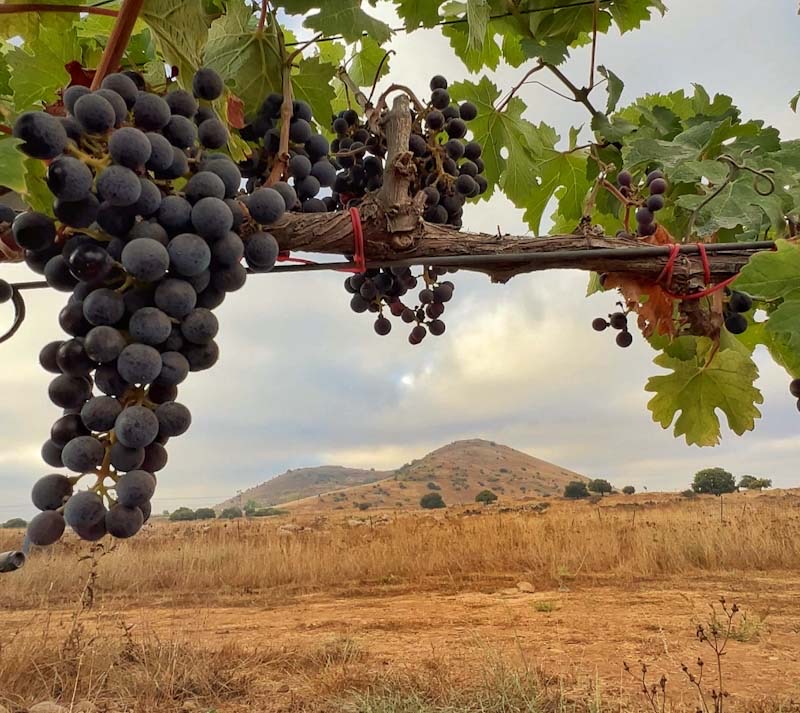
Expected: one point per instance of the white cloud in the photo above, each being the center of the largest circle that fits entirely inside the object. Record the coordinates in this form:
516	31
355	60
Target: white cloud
304	381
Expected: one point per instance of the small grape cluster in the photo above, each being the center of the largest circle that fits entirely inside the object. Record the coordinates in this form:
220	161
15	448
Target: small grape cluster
449	168
794	390
736	305
618	321
380	289
310	168
656	185
150	236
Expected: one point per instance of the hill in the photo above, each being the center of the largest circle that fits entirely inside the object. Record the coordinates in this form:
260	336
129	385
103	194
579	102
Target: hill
459	471
303	483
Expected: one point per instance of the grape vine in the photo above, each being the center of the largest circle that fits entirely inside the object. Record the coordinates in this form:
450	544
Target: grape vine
153	194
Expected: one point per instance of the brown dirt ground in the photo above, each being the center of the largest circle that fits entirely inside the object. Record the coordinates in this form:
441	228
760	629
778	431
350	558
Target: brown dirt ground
590	632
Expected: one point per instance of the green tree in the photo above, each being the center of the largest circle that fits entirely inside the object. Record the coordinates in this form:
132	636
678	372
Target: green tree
600	485
431	501
182	515
204	514
629	490
250	507
14	523
575	490
750	482
714	481
486	497
231	513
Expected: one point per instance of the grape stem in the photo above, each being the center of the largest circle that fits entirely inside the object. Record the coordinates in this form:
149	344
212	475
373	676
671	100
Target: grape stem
539	65
282	161
579	95
98	163
262	18
118	40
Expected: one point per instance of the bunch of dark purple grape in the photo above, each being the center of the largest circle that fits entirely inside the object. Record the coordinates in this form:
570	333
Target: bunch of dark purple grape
310	169
736	304
794	390
656	185
150	237
448	167
379	290
618	321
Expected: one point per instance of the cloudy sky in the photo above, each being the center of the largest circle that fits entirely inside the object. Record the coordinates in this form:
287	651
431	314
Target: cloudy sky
304	381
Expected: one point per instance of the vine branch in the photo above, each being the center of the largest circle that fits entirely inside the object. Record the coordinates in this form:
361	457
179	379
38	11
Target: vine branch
45	7
539	65
118	40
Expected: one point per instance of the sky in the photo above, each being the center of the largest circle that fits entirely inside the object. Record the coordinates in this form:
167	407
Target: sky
304	381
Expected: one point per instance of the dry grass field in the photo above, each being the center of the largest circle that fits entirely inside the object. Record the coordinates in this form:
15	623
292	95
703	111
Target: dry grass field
530	608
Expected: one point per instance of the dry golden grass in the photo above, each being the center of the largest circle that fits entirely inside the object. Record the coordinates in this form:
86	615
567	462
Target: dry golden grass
623	537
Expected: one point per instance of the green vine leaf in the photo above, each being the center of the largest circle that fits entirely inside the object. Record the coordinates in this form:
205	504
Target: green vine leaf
793	102
338	17
12	165
249	61
478	22
418	13
771	275
181	32
702	381
614	86
365	63
311	82
37	68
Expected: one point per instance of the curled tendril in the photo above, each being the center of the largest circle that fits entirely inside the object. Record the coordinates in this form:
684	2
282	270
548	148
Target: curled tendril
19	315
20	311
734	169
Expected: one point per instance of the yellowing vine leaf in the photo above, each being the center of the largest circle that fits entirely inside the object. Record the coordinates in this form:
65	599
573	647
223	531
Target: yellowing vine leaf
702	380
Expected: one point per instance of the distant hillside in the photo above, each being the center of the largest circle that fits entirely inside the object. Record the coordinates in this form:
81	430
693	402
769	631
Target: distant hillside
459	471
304	483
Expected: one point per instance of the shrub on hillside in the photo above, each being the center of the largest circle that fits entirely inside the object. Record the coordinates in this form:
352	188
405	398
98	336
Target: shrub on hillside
269	512
432	501
714	481
486	497
689	493
182	515
231	513
14	523
629	490
750	482
363	506
576	490
599	485
204	514
434	486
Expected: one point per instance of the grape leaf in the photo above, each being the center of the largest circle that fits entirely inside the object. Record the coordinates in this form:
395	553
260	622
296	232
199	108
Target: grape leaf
37	68
770	275
487	57
338	17
615	86
36	194
366	61
630	14
249	61
311	82
416	13
553	51
793	102
12	164
558	173
5	77
181	31
737	204
504	132
478	23
28	24
704	379
784	323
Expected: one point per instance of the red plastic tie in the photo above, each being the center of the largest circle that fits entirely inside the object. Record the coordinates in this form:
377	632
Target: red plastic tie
701	248
669	268
359	255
